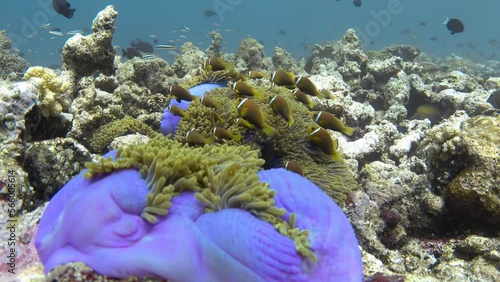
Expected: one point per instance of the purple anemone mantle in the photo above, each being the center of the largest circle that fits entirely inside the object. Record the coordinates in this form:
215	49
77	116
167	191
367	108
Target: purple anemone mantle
97	221
169	121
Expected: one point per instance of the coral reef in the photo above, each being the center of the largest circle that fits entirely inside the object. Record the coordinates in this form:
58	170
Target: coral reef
18	117
84	55
424	154
215	45
53	92
189	60
154	75
252	53
51	164
471	189
13	65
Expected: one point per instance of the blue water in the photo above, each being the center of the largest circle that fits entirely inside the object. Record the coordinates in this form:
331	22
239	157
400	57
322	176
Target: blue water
305	23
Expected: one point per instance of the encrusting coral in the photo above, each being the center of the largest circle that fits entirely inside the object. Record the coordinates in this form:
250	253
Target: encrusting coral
223	176
106	133
53	97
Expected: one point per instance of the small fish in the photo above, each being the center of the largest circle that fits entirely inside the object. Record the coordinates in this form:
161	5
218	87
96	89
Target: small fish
327	93
245	123
62	8
320	138
186	28
250	111
294	166
494	99
256	74
151	35
283	78
279	105
216	117
302	97
47	25
432	67
181	94
357	3
217	64
182	36
149	57
242	88
329	121
55	32
73	32
221	133
142	46
454	25
176	111
428	111
165	46
193	137
130	53
307	86
209	13
209	102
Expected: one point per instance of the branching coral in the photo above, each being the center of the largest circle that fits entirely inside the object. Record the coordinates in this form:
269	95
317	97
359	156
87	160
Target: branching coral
53	91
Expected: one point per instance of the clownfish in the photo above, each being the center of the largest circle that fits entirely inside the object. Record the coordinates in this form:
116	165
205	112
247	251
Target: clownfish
279	105
251	112
320	138
329	121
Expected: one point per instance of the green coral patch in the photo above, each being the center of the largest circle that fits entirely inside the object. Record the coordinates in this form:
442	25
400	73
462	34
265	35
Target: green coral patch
106	133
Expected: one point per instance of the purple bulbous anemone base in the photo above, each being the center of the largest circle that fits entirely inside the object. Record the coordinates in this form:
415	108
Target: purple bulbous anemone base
97	221
169	122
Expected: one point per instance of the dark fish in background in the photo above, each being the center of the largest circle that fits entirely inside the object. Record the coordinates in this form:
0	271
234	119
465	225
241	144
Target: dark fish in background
357	3
56	29
471	45
130	53
433	38
209	13
405	31
428	111
454	25
432	67
494	99
142	46
281	32
63	7
423	23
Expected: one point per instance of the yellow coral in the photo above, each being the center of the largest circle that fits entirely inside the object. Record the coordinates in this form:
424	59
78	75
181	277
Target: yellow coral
53	97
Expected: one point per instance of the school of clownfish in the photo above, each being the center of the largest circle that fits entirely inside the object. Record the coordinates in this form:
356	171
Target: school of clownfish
251	116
